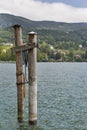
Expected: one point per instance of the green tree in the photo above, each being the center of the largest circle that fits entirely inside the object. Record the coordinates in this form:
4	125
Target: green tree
86	54
71	55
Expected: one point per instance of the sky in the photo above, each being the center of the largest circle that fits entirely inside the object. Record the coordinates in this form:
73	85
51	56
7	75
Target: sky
71	11
75	3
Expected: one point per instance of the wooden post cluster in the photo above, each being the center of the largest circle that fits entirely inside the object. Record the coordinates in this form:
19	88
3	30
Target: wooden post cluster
32	77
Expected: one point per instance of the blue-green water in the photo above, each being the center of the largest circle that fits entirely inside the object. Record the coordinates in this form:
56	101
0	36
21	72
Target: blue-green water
62	97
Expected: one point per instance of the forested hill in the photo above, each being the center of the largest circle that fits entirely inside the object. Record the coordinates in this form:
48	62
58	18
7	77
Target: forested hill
58	41
7	20
49	31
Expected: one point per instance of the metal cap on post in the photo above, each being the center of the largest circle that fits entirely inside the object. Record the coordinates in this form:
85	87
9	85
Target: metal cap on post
32	37
32	59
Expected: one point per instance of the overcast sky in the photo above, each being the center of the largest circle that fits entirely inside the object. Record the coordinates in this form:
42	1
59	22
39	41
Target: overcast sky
53	10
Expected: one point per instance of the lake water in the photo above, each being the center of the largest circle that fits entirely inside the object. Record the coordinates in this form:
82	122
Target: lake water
62	97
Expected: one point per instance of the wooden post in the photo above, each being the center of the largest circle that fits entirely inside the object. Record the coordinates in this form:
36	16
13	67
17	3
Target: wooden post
32	58
19	72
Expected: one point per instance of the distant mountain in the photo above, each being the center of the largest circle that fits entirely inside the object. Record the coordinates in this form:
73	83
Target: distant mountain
7	20
54	33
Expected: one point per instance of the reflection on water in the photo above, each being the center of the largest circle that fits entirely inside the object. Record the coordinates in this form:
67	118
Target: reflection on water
25	126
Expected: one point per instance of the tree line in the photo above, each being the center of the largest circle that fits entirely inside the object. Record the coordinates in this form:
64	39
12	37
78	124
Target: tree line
55	45
47	53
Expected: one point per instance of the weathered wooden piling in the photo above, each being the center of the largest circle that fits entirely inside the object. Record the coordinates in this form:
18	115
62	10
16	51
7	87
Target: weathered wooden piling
32	59
31	47
19	72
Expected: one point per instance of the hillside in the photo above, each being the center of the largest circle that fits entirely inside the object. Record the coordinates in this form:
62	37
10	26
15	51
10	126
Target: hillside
7	20
49	31
58	41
